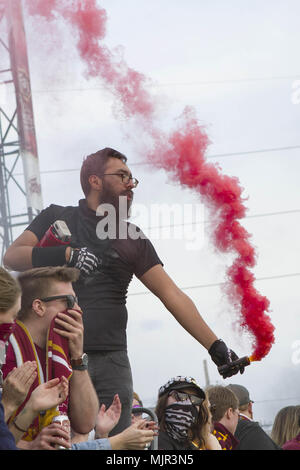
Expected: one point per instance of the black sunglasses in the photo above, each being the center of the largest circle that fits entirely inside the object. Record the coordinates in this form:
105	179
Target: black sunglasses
183	396
70	299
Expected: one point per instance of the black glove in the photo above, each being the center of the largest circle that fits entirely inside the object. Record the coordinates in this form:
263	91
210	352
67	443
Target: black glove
222	356
84	260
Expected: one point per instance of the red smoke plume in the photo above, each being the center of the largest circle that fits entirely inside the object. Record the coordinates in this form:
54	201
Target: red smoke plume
181	153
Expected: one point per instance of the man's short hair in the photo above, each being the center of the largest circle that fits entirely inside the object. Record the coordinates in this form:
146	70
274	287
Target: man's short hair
10	290
242	394
95	163
36	283
221	399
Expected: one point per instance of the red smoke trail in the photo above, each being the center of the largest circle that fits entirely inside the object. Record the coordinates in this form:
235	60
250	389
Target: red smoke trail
181	154
89	23
183	157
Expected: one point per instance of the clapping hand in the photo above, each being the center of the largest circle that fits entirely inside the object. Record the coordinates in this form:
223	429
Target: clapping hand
108	419
49	394
16	386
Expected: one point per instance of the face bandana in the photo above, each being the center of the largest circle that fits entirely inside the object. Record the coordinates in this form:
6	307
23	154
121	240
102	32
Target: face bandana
179	417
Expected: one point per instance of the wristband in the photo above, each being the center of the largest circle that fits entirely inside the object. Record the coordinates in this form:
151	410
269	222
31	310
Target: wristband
71	256
49	256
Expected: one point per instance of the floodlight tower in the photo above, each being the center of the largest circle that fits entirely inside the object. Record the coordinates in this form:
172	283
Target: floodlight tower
20	199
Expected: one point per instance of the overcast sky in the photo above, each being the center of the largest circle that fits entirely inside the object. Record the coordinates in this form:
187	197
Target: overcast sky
236	62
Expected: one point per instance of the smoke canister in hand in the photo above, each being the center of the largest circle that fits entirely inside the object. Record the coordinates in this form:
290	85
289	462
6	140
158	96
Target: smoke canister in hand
65	423
57	234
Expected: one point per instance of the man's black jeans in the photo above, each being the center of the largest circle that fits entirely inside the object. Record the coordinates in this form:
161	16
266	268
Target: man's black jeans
110	373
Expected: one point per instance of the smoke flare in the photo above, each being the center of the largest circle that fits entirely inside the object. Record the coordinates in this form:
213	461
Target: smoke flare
181	153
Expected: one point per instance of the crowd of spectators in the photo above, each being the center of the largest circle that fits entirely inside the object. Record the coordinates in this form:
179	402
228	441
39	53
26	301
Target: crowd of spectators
67	375
37	387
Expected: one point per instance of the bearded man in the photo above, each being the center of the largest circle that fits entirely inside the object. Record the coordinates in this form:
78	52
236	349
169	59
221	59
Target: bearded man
108	251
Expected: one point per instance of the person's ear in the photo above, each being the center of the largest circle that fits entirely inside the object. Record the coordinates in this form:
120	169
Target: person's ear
229	413
38	307
95	182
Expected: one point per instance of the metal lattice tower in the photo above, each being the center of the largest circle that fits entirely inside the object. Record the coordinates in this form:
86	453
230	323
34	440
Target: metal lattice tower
20	197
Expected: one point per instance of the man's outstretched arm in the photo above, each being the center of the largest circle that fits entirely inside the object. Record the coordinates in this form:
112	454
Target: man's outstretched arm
187	314
179	305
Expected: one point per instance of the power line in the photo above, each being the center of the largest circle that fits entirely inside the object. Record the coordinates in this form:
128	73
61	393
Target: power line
231	80
277	399
276	149
154	84
220	155
218	284
266	214
248	152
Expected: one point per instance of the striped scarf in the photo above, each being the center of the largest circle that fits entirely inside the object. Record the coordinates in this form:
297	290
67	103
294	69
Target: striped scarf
57	365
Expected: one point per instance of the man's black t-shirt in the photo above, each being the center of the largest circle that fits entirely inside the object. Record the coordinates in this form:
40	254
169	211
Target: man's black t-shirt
102	296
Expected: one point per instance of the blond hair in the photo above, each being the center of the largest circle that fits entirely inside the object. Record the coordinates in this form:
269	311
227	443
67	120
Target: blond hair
221	399
137	398
37	282
286	424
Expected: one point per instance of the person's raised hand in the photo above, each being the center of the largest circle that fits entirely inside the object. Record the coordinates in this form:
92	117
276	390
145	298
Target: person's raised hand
108	419
48	395
17	385
135	436
70	326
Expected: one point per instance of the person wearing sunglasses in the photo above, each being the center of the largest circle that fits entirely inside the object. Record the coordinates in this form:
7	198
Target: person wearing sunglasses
109	250
49	309
14	389
184	417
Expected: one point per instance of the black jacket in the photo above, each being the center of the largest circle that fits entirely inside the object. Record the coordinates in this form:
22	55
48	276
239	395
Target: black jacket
165	442
253	437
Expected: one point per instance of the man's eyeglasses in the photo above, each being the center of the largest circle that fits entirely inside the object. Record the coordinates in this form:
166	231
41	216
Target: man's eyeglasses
125	178
183	396
70	299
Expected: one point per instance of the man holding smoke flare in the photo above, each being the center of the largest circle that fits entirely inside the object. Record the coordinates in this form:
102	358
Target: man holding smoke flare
107	261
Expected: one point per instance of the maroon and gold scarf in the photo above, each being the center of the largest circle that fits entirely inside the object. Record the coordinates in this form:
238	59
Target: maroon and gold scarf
57	365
